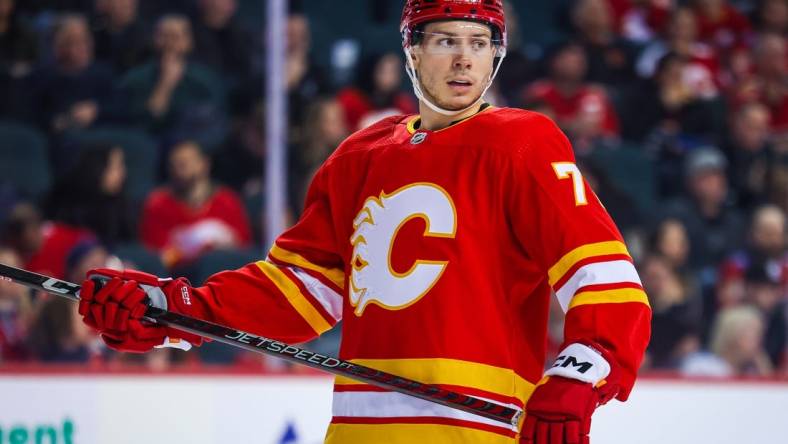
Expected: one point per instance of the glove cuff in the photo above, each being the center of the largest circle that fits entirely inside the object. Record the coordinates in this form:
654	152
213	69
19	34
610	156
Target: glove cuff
178	295
580	362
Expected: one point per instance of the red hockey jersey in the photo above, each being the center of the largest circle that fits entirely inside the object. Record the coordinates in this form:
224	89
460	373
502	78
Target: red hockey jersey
439	251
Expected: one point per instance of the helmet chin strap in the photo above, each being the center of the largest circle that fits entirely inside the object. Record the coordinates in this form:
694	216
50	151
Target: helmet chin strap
414	79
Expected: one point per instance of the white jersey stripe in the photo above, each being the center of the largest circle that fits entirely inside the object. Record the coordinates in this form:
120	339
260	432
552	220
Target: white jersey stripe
328	298
611	272
397	405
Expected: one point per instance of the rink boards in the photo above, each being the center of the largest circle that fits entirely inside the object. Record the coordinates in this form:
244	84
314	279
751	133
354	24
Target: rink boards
188	409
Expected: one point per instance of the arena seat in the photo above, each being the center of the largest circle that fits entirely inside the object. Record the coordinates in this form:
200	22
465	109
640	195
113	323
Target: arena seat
629	168
24	160
142	258
218	260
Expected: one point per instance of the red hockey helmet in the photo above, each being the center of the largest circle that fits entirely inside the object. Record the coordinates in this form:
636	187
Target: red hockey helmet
419	12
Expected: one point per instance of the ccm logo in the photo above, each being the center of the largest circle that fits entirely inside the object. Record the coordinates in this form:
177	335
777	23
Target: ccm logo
566	361
185	295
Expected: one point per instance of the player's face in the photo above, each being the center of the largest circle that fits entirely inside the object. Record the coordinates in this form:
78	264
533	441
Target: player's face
454	62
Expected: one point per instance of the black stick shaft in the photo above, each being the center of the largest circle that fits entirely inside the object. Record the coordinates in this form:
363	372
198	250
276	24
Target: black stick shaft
259	344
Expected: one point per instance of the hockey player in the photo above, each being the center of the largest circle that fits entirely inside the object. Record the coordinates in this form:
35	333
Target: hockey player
437	239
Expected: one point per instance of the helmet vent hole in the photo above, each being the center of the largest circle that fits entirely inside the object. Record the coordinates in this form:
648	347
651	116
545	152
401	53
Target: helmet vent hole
425	4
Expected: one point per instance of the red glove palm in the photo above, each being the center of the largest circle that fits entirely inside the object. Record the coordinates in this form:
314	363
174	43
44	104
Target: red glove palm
116	306
559	410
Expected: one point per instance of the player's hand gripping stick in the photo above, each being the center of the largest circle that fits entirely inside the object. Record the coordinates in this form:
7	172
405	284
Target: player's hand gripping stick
559	411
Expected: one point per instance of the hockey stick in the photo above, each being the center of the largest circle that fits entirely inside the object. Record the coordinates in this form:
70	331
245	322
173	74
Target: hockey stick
259	344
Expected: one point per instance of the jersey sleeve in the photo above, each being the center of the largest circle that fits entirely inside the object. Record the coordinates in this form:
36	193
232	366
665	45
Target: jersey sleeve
566	230
296	293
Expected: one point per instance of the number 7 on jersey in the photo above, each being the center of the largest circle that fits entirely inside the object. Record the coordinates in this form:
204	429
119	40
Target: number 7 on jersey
567	170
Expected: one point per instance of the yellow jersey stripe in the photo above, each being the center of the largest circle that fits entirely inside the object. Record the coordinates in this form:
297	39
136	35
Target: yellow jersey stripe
410	434
557	271
294	296
412	124
616	296
474	375
334	275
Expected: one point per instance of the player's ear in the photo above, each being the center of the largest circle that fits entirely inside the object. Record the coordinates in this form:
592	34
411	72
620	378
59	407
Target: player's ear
416	56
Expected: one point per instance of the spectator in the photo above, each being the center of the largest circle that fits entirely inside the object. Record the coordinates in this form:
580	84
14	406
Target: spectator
325	130
676	319
378	94
92	196
192	214
22	231
640	21
121	36
720	24
737	339
714	227
58	335
767	86
738	68
42	246
85	256
610	57
220	41
768	294
18	45
239	164
767	245
701	69
671	243
304	80
581	109
672	117
74	91
772	16
737	334
171	92
777	173
16	313
748	147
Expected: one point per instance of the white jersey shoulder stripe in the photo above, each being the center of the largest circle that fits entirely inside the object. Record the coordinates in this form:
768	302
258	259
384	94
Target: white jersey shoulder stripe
598	273
328	298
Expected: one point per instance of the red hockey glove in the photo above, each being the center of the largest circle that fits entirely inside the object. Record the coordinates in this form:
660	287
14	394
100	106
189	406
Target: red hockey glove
116	304
559	410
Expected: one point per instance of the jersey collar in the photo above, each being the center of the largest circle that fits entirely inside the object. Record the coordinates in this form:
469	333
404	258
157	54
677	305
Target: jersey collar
414	123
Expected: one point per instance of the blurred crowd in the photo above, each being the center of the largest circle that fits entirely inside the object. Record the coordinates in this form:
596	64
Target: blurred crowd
132	134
